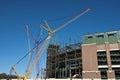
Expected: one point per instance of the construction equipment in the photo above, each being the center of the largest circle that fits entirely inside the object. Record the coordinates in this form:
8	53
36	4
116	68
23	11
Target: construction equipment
15	72
46	41
36	41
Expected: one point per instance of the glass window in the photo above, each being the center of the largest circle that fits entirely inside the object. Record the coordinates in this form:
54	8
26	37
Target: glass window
103	73
102	59
99	36
115	57
112	34
90	37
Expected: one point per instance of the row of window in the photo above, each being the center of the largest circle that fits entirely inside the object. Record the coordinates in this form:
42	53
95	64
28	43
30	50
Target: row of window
104	73
102	58
102	36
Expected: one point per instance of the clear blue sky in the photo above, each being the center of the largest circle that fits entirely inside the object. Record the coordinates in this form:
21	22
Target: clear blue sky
104	16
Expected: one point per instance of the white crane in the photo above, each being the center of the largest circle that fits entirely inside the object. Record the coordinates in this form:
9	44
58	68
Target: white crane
46	41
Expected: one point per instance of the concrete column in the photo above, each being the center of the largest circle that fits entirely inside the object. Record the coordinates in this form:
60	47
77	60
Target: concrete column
111	74
63	73
108	55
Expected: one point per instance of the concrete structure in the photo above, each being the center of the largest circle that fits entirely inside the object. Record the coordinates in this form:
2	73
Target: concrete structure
64	62
98	57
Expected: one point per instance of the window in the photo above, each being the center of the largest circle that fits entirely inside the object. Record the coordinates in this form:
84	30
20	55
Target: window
115	57
117	72
103	73
102	59
99	36
90	37
112	34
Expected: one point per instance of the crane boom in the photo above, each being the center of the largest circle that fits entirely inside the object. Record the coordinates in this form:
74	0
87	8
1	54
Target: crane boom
73	19
28	35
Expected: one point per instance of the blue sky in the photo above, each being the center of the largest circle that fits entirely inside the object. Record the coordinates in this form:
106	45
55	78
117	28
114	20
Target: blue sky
104	16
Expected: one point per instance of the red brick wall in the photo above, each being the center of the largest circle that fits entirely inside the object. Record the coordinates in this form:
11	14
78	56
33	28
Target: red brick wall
89	61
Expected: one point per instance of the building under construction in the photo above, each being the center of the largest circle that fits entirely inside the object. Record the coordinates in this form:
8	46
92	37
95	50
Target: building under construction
98	57
64	62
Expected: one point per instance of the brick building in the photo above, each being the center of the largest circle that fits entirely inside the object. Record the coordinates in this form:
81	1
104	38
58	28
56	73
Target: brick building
101	55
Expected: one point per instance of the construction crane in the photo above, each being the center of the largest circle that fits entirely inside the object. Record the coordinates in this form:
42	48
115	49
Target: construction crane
46	41
36	41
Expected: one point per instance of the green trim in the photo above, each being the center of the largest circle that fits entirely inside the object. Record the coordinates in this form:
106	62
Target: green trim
100	38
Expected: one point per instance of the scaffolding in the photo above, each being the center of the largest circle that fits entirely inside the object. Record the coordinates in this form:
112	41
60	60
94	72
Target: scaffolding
65	62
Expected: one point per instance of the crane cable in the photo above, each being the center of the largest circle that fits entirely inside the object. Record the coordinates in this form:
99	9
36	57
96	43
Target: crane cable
29	33
61	18
28	53
36	40
22	58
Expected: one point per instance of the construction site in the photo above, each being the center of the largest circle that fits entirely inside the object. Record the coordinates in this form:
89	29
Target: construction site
32	55
66	62
97	57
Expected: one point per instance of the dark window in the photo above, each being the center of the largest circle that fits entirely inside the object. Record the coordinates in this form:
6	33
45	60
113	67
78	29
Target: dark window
90	37
112	34
115	57
102	59
99	36
103	73
117	72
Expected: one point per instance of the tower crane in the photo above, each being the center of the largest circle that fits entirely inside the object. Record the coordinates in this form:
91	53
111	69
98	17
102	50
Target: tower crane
46	41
